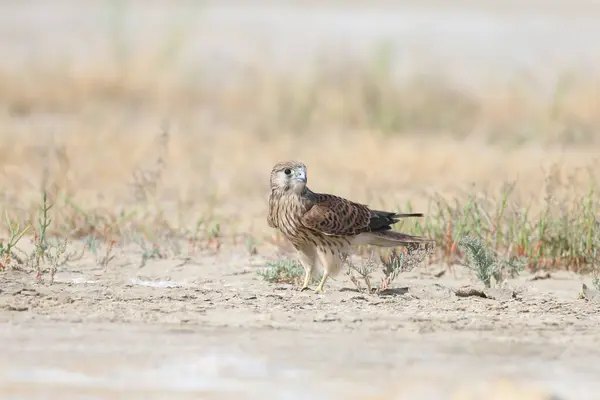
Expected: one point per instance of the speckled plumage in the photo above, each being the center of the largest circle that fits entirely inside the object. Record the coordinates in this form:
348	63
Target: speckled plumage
322	226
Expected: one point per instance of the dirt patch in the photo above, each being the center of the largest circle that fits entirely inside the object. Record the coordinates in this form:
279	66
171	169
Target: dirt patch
215	320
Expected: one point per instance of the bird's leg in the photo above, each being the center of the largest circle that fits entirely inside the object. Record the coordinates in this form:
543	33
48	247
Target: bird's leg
319	288
330	263
307	274
307	263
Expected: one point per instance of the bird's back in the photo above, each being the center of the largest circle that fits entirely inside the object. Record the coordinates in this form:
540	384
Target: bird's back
326	215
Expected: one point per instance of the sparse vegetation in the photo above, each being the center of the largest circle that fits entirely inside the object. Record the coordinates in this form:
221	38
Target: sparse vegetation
282	271
41	241
362	271
391	265
7	249
558	230
112	184
487	265
395	263
560	233
148	252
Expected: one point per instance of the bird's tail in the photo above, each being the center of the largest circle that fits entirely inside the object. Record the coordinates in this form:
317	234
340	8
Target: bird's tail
406	215
389	239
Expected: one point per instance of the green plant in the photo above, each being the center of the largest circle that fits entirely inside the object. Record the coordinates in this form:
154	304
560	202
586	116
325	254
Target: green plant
282	271
562	233
7	249
152	252
395	263
596	277
56	254
487	265
41	240
251	246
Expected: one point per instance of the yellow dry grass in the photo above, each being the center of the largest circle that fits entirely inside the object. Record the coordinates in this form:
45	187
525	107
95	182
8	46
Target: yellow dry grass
94	163
89	134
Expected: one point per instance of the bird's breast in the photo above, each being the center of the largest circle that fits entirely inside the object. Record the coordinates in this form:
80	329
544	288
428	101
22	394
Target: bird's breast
286	214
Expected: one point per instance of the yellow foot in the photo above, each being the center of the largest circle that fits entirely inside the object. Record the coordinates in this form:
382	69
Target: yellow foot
319	288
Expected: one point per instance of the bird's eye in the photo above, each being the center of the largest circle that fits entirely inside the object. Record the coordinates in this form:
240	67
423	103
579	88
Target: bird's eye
287	171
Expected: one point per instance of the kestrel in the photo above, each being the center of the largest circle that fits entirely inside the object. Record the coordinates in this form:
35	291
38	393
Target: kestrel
322	226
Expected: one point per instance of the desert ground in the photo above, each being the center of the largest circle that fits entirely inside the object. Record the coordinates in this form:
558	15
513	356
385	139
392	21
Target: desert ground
211	328
136	142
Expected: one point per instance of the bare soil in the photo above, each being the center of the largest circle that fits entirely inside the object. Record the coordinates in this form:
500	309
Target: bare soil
213	327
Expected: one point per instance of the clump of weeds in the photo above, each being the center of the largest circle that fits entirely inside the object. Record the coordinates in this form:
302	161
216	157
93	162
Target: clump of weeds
214	236
207	233
92	243
41	241
596	277
362	271
395	263
391	265
52	252
7	250
148	252
56	255
561	233
282	271
251	246
486	265
194	237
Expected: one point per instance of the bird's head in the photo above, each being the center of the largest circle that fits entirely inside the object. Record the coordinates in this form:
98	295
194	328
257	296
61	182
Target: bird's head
288	176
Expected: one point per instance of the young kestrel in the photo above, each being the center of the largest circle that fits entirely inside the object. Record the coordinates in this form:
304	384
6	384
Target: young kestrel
322	226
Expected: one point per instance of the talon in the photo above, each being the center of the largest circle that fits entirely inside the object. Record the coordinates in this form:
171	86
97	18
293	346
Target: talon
304	288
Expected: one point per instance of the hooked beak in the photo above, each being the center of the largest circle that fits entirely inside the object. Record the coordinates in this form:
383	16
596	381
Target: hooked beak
301	176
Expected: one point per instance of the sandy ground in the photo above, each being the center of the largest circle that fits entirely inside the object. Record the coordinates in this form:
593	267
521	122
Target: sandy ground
214	327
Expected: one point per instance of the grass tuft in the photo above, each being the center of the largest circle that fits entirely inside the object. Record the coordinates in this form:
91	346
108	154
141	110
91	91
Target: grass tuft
395	263
362	271
391	265
487	265
41	241
561	233
7	250
282	271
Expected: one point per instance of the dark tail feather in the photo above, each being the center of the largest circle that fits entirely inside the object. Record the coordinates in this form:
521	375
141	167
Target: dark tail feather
387	214
406	215
382	220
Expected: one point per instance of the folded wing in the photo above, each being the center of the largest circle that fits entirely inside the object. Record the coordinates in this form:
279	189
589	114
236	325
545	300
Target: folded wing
333	215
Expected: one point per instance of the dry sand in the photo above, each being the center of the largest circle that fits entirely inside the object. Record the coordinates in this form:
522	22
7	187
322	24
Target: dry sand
214	328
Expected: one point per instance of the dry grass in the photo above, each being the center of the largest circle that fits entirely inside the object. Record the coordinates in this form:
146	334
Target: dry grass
338	95
112	171
134	150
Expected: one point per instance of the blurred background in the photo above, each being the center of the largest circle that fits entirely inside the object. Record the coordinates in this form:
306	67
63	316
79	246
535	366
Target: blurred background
184	106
